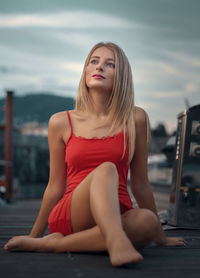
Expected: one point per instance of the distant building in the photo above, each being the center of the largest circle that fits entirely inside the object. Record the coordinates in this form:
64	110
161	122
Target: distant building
34	128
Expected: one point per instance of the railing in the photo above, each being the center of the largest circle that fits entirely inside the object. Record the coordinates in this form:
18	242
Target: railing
8	162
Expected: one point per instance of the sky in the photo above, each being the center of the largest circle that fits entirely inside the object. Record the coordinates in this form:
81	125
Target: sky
44	43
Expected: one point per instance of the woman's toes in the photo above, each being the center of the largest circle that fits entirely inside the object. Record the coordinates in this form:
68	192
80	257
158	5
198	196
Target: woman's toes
10	246
122	251
5	247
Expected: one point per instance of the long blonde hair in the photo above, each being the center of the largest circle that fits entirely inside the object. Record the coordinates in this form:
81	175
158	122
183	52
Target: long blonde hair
121	103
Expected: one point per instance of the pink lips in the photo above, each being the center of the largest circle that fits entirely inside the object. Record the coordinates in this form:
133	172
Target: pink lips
98	76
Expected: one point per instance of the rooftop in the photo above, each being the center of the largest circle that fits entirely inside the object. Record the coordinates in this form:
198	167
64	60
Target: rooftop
18	218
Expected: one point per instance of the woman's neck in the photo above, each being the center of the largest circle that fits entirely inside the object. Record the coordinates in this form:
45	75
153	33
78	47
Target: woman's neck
99	103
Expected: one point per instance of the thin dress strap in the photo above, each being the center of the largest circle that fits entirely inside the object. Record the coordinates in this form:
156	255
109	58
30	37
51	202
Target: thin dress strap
70	123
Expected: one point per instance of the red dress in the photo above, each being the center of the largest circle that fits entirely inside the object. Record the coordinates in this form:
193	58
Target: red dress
82	155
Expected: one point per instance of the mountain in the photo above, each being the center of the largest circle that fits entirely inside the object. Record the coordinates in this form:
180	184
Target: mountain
36	107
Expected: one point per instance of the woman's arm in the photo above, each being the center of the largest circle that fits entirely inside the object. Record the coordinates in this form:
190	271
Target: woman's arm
140	185
57	177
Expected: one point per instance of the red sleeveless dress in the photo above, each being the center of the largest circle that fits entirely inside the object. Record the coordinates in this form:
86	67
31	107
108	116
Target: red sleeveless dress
82	155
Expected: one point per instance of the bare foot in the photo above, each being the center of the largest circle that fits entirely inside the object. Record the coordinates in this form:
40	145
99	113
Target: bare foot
26	243
121	250
14	244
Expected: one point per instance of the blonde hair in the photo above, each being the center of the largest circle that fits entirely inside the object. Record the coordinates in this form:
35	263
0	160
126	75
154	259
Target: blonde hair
121	103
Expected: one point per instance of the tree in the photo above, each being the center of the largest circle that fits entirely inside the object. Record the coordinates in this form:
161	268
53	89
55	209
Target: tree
159	131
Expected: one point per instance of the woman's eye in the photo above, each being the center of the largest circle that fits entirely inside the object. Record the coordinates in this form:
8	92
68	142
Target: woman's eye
93	61
111	65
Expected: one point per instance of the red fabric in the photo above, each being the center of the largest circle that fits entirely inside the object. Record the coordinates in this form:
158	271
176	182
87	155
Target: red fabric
82	155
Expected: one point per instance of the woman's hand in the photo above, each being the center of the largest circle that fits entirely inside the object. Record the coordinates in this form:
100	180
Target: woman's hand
170	241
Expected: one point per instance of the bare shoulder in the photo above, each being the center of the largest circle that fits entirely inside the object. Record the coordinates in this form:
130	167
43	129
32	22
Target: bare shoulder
140	116
142	123
59	120
59	124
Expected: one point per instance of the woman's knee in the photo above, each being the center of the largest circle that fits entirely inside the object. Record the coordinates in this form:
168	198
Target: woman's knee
149	221
142	221
107	169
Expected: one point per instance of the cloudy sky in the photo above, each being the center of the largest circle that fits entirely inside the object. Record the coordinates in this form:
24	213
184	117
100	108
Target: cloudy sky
43	45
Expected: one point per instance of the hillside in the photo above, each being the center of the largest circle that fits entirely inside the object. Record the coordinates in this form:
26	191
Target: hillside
36	107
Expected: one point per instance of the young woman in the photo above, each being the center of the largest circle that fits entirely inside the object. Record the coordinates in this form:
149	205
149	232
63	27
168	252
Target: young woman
93	146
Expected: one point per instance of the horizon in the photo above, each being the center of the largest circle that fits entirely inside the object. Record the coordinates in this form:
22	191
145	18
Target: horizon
31	94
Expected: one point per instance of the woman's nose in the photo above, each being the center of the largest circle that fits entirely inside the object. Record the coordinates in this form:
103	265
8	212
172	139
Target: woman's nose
99	67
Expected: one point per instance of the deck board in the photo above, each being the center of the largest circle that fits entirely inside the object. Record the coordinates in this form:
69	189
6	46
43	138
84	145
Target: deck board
161	262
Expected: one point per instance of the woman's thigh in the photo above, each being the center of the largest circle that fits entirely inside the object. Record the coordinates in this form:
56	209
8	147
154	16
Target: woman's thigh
81	214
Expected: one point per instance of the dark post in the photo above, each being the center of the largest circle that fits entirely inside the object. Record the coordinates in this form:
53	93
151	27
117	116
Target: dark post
9	145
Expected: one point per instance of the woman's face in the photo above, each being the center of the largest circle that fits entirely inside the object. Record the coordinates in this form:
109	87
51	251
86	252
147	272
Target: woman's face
100	70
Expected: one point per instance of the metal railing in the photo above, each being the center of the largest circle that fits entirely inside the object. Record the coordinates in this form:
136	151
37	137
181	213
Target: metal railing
8	162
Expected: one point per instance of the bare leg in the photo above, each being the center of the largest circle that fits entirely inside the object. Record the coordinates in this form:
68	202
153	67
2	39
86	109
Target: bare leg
139	224
87	240
95	200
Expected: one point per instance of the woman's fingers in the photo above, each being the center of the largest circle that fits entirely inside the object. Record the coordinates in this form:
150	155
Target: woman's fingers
171	241
175	241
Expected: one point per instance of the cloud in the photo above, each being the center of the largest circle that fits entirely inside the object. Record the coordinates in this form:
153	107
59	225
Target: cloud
4	69
21	83
184	58
191	87
70	19
165	79
148	72
171	125
168	94
45	51
80	39
71	66
168	68
161	66
148	105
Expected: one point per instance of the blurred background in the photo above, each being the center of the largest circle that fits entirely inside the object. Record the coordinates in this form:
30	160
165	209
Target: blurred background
43	45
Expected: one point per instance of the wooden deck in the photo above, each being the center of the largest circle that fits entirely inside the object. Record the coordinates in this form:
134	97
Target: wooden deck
161	262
